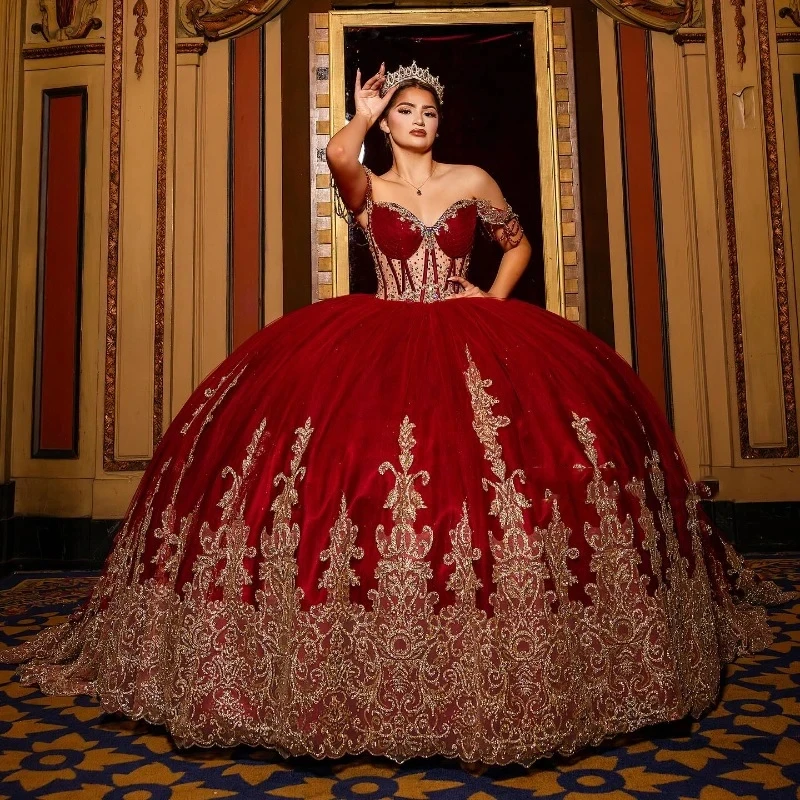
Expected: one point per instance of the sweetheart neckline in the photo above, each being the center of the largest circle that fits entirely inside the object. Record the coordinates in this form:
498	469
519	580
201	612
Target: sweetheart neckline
444	215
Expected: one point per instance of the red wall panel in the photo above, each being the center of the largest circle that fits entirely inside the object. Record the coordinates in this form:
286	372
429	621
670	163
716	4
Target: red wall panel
57	366
643	214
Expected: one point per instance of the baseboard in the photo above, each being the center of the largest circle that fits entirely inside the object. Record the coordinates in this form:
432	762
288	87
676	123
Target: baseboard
32	543
6	500
758	527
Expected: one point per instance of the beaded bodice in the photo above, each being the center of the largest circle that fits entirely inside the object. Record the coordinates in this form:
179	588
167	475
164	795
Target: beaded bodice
414	261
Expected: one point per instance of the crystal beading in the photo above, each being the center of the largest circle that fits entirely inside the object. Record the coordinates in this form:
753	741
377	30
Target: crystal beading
423	75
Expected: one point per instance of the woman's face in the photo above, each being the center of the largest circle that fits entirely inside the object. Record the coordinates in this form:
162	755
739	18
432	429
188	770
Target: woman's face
413	119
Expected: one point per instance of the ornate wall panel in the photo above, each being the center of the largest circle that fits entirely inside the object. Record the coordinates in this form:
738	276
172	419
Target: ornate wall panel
787	111
757	270
246	191
137	249
41	482
646	278
705	322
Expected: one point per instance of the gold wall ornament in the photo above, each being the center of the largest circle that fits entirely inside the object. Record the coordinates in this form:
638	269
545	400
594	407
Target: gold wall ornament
792	12
62	20
738	20
140	12
658	15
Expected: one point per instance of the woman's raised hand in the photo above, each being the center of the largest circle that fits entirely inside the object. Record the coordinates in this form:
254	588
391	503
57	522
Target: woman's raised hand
369	102
469	289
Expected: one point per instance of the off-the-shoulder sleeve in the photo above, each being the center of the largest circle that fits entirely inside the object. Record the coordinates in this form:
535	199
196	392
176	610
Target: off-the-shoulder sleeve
342	210
502	223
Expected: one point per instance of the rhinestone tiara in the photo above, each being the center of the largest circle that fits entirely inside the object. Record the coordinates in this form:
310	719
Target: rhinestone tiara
413	72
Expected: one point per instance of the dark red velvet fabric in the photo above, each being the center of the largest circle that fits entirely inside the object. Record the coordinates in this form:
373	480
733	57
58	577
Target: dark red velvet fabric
356	366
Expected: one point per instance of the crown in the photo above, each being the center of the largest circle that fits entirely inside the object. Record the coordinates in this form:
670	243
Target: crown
416	73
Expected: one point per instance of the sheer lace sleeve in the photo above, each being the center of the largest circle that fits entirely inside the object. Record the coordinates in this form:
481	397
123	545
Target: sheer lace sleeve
501	223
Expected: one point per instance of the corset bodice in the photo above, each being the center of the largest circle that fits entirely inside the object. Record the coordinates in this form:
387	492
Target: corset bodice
415	261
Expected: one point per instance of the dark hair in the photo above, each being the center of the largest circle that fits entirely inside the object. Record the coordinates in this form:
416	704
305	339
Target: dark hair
407	84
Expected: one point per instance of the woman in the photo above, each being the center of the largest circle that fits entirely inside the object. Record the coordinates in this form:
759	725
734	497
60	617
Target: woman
414	527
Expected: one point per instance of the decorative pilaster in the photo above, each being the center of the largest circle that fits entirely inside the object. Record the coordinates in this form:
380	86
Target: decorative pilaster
753	224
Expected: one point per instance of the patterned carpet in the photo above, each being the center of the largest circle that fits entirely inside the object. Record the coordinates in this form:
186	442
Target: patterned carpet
66	748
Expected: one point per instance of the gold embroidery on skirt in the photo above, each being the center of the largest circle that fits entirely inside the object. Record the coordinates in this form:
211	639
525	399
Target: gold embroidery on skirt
225	658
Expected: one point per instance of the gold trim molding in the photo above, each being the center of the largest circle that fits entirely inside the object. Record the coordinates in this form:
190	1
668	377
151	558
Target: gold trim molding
60	50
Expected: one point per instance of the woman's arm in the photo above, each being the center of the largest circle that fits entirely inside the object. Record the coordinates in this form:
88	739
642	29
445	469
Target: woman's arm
345	145
516	247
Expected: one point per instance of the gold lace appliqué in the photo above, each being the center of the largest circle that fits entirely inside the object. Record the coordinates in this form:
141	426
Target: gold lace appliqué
225	650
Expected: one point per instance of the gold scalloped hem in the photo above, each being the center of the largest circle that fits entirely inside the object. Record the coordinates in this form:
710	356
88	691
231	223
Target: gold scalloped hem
297	748
456	752
486	716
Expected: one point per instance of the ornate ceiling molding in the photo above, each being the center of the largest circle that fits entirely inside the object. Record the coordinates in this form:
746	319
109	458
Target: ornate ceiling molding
223	19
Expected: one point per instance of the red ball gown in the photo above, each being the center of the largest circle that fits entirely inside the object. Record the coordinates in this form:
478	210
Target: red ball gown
411	527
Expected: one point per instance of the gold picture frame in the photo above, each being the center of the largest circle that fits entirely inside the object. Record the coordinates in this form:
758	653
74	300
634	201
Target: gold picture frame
557	140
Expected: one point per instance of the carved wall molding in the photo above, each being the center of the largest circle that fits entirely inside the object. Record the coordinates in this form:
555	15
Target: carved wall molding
58	51
222	19
738	20
197	48
161	219
658	15
110	462
140	12
787	37
690	37
63	20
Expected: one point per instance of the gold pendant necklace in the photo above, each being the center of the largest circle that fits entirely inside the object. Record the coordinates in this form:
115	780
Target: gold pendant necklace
413	186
